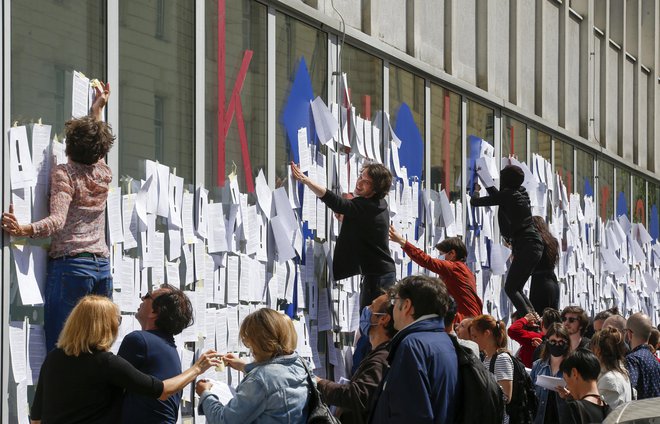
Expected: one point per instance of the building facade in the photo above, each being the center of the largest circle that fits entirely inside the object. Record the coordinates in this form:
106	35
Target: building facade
202	86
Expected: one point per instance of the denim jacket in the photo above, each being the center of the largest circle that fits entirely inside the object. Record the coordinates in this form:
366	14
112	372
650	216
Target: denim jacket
272	392
541	367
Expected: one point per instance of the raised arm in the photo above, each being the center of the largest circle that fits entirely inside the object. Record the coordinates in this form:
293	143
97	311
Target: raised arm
297	175
494	198
102	95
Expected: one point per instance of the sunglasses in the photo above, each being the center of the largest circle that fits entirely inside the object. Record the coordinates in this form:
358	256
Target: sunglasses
571	320
556	343
146	296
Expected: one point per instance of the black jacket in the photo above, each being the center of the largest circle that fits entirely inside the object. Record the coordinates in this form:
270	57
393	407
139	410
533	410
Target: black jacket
355	397
362	246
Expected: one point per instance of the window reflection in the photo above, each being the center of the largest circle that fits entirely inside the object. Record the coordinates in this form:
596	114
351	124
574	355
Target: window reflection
606	190
584	174
639	200
564	162
514	139
296	40
622	199
44	51
446	141
540	143
479	124
245	30
365	80
157	86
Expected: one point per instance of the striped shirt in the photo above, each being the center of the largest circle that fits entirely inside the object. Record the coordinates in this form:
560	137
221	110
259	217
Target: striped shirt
503	371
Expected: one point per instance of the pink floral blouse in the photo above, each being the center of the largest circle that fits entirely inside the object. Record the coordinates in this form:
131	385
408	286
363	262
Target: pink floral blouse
78	194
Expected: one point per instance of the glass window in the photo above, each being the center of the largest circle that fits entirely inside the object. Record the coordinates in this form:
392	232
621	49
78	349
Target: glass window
446	141
564	162
540	143
479	124
584	174
653	210
514	139
245	24
48	41
296	40
365	80
157	86
606	189
639	200
623	206
408	88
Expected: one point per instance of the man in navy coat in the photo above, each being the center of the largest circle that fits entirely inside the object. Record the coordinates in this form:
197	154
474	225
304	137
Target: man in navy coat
422	383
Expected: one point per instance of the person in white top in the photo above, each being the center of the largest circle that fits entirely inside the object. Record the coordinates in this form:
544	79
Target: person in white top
613	383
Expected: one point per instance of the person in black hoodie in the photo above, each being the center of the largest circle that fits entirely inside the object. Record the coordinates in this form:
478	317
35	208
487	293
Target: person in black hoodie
516	226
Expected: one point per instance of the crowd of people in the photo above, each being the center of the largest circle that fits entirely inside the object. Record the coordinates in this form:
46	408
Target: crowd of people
412	339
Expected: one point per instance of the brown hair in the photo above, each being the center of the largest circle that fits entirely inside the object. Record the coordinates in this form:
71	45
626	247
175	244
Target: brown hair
269	334
551	246
87	140
497	328
455	244
581	316
381	178
92	326
555	329
609	346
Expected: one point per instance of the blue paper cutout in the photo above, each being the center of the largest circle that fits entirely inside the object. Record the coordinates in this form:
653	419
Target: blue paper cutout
654	228
297	112
588	190
622	205
475	149
411	153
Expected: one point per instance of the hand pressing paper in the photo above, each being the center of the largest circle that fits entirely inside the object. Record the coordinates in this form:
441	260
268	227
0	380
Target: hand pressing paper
223	391
484	172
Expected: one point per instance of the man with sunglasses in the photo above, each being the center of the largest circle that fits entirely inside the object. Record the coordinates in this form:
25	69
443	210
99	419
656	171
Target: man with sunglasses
163	313
576	321
355	396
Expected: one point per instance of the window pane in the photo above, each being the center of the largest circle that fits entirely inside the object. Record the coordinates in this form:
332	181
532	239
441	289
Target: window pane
296	40
446	141
623	206
639	200
540	143
584	173
245	30
157	85
606	188
654	209
514	139
564	163
406	87
365	80
479	124
48	40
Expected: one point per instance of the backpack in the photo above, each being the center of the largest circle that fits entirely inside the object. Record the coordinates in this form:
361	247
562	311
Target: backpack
477	387
524	403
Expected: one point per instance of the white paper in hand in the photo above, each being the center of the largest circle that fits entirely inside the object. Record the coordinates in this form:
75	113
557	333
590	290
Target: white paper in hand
483	170
550	383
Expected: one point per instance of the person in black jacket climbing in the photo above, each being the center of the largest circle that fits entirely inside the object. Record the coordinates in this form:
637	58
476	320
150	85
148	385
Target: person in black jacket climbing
516	226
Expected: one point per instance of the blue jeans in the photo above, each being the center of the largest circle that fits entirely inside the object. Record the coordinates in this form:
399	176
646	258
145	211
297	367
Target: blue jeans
69	279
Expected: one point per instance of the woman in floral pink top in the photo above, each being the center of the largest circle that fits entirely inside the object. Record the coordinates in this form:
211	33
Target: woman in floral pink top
79	257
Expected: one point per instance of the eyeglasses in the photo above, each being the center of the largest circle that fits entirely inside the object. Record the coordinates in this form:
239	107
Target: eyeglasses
571	320
556	342
393	300
146	296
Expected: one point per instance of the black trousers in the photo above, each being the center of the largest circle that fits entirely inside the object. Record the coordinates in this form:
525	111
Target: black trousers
526	254
544	291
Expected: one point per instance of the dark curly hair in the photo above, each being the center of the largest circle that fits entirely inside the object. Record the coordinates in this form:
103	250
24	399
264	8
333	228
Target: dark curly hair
550	244
381	178
174	310
87	140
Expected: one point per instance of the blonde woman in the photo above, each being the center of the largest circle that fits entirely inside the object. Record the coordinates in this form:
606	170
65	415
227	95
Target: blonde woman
81	381
275	388
490	335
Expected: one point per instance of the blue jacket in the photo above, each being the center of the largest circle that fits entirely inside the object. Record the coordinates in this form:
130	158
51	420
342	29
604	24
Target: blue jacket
422	383
272	392
541	367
